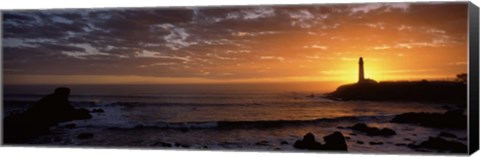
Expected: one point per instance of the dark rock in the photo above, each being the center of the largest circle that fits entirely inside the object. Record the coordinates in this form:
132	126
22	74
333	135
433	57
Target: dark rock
360	142
162	144
353	134
97	111
446	134
57	139
450	119
262	143
407	139
308	142
181	145
376	143
277	149
348	138
84	136
401	144
70	126
450	92
19	128
440	144
340	127
335	141
284	142
373	131
184	129
48	111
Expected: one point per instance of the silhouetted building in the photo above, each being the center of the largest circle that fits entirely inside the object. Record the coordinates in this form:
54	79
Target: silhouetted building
361	76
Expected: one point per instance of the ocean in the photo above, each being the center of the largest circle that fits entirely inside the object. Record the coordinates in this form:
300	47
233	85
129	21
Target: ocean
262	117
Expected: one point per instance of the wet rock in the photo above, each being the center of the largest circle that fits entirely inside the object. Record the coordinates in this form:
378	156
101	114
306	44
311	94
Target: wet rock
375	143
440	144
162	144
97	111
277	149
401	144
308	142
70	126
449	119
449	92
333	142
372	131
84	136
181	145
407	139
283	142
48	111
57	139
360	142
446	134
262	143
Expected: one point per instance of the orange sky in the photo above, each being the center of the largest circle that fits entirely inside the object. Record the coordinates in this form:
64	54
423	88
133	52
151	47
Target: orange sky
398	41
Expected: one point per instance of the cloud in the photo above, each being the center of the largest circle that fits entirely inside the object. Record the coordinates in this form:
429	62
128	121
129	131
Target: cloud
379	25
366	8
383	47
157	64
151	54
258	13
179	42
216	56
281	59
316	46
253	34
177	39
302	18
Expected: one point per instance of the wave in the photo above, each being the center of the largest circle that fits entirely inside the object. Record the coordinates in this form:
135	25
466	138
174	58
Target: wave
263	124
195	95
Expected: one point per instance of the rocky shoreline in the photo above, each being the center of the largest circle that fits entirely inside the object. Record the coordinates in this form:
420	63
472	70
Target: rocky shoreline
36	121
404	91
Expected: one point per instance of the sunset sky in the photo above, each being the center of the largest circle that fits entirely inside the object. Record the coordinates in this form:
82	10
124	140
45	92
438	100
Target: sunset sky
398	41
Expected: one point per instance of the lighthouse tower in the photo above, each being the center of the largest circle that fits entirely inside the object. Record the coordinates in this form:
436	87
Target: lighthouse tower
361	76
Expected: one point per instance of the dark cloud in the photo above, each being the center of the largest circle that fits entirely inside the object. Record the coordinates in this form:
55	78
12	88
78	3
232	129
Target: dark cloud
191	42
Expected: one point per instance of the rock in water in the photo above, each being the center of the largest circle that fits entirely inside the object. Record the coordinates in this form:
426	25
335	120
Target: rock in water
447	134
335	141
48	111
55	108
372	131
450	119
70	126
99	110
308	142
84	136
375	143
440	144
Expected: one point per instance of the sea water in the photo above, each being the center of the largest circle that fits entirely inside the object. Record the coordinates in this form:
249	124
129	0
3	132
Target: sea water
232	117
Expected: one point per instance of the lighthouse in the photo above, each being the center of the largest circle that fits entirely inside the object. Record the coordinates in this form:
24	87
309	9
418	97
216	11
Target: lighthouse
361	76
